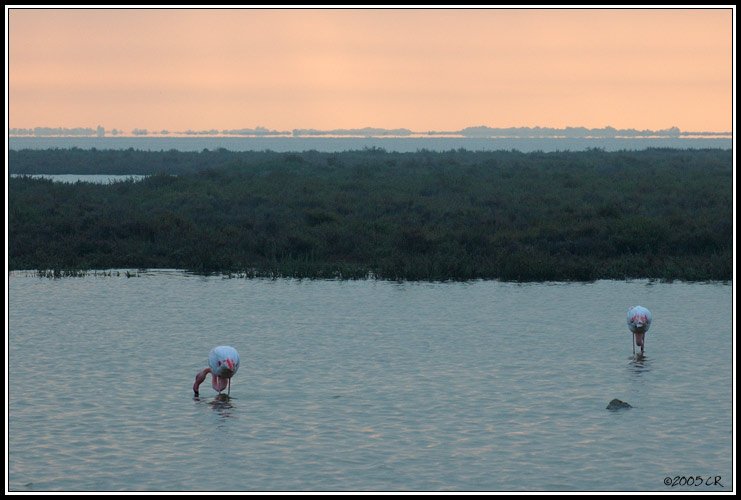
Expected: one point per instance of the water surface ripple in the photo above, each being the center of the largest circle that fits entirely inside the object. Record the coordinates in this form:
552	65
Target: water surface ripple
365	385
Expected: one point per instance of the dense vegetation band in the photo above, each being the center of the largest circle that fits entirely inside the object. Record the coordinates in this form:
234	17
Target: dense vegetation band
657	213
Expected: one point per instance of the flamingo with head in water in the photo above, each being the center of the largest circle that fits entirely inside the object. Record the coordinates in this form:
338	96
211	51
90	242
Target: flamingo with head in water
223	363
639	321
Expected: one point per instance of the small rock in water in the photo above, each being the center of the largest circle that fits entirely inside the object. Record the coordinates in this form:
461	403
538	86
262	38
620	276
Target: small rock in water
616	404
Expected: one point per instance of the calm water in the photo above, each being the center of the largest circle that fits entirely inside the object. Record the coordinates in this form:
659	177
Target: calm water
365	385
337	144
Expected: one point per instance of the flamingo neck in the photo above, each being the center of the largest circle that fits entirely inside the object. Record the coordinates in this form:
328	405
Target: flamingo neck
200	377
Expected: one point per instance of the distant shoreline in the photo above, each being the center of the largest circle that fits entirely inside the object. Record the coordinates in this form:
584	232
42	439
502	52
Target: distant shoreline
388	143
688	135
476	132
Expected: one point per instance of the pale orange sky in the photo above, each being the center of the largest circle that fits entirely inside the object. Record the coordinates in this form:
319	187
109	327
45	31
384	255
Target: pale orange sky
423	69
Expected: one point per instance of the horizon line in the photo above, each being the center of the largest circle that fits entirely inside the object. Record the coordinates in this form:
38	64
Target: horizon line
480	131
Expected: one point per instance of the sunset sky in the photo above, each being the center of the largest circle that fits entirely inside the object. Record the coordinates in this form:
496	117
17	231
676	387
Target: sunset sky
425	69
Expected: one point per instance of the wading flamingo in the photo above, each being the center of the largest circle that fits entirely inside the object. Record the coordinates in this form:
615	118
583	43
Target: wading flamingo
639	321
223	363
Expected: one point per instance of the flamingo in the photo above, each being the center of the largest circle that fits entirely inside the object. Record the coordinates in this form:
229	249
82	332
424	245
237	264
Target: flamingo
639	321
223	363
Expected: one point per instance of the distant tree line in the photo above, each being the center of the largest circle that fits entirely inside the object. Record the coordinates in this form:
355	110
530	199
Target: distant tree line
128	161
365	132
484	131
658	213
53	131
479	131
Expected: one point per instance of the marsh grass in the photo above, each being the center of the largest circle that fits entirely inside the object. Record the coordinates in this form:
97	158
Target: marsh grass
459	215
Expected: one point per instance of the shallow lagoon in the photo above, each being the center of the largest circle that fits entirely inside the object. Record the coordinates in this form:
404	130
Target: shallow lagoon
365	385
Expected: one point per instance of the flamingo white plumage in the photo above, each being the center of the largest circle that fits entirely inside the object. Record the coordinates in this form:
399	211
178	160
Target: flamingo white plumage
223	363
639	321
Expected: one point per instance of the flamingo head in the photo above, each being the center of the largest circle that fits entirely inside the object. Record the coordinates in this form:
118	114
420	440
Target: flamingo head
226	368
